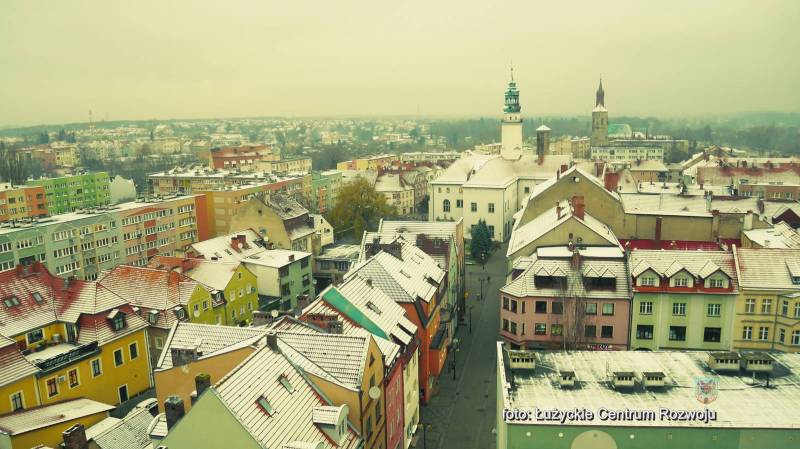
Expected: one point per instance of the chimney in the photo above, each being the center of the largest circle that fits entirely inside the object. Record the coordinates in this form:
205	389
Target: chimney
242	241
182	356
558	210
563	168
201	383
173	409
760	205
260	318
272	340
186	265
75	437
657	236
576	259
334	327
578	206
235	243
369	282
302	302
611	181
558	174
291	257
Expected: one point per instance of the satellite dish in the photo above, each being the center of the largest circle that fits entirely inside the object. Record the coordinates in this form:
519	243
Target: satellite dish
274	314
374	392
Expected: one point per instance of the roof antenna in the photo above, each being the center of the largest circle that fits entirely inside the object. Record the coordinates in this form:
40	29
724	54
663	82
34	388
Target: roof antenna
512	69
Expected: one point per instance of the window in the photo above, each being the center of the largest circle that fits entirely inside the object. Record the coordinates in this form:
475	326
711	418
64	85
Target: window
608	308
283	271
782	335
644	332
540	329
681	282
505	324
556	329
766	306
607	331
541	307
459	204
648	281
590	331
750	306
712	334
17	403
797	309
714	309
747	333
11	302
796	338
37	297
118	322
205	304
35	336
73	378
97	368
763	333
491	208
123	393
677	333
591	308
513	327
716	283
304	262
133	349
558	307
513	306
52	387
679	308
473	207
446	205
118	357
506	303
527	189
491	231
159	343
646	308
785	308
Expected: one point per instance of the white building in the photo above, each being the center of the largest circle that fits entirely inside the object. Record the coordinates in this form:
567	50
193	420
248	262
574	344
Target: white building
493	187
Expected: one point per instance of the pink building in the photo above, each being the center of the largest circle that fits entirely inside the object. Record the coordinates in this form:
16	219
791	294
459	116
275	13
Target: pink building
567	298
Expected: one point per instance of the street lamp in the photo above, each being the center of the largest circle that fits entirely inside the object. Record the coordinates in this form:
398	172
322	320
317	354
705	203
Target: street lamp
454	346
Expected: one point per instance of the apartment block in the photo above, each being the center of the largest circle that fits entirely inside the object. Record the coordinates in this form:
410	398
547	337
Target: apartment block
21	202
82	244
70	193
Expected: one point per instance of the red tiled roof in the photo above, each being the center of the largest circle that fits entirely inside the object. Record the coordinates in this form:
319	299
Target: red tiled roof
677	244
85	303
14	365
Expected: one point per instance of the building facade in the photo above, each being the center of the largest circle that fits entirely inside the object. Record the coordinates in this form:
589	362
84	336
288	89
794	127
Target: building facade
22	202
70	193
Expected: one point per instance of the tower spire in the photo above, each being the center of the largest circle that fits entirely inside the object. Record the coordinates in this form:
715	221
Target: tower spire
512	70
601	95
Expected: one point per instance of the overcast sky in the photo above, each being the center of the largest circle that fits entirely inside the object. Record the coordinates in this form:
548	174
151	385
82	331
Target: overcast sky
144	59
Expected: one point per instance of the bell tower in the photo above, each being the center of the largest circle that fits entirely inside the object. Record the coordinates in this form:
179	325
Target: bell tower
511	128
600	118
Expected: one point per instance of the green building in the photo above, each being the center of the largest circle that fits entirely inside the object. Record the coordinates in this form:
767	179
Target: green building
324	189
646	399
70	193
683	299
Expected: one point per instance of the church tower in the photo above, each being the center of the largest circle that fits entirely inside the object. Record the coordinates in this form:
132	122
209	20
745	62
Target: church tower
600	118
511	128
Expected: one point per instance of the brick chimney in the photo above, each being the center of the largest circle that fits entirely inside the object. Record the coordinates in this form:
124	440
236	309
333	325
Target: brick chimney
235	244
272	340
186	265
75	437
201	383
578	206
611	181
563	168
173	409
334	327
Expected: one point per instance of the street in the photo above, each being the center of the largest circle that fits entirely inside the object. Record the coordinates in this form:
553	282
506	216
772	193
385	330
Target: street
462	414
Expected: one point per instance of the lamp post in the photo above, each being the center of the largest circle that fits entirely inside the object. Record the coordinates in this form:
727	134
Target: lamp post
455	350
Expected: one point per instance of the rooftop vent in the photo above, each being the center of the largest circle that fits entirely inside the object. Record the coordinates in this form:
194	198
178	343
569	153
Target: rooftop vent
623	379
758	362
522	359
566	379
724	361
653	379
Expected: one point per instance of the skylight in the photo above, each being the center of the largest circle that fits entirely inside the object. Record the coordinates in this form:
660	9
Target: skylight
11	301
264	404
284	380
37	297
373	307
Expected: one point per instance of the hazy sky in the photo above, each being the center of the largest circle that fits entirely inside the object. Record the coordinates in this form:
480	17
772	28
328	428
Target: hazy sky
143	59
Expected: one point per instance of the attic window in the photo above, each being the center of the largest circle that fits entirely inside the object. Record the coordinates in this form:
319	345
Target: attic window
284	380
117	319
265	405
152	317
180	313
37	297
11	301
373	307
405	274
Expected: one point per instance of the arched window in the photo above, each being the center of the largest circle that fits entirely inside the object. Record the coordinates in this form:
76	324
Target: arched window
446	205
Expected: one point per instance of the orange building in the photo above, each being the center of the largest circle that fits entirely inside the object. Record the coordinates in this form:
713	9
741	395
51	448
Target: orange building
18	202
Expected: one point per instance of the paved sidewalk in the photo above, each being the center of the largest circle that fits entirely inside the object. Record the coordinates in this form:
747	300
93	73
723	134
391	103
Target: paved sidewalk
462	414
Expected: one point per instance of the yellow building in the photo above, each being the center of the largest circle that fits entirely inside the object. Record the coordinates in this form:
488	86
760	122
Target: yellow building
768	307
231	280
79	340
193	349
44	425
280	220
346	377
162	297
17	380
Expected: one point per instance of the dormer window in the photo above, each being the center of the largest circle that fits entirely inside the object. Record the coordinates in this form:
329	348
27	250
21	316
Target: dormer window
796	280
152	317
716	283
681	282
117	319
648	281
11	302
180	313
